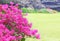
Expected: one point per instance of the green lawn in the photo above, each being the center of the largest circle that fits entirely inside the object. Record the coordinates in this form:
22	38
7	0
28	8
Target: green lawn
48	26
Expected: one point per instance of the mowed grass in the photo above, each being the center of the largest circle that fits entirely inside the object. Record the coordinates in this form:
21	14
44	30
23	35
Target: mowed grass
48	26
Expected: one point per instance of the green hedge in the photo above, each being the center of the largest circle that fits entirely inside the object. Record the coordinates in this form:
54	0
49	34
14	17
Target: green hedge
27	10
43	10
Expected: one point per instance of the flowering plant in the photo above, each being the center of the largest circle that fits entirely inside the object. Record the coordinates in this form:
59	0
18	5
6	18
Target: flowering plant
13	26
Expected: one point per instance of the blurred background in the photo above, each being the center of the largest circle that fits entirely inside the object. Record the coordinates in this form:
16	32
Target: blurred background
29	6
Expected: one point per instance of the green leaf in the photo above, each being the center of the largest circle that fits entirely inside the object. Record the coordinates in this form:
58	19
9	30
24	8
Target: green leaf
23	39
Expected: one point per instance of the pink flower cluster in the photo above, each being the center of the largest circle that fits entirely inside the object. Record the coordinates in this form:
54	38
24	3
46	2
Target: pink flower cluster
13	26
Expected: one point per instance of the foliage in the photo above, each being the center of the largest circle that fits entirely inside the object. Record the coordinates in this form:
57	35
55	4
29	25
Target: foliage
28	10
43	10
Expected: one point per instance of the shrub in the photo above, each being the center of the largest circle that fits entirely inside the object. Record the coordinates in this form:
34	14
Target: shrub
47	10
13	26
28	10
44	10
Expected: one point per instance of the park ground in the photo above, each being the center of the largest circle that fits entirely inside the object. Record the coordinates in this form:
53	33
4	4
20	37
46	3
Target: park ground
48	26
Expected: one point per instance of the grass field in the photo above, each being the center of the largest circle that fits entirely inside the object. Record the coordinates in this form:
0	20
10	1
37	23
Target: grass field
48	26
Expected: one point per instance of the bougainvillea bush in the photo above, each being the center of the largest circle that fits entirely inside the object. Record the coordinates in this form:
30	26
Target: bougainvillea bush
13	26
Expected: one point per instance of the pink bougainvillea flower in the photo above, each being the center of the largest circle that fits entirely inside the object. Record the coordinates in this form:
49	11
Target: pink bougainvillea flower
13	26
37	36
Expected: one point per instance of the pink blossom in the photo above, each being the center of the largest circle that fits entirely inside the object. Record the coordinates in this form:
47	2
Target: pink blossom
37	36
13	26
